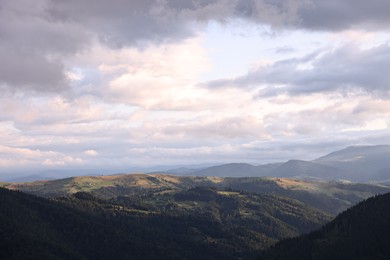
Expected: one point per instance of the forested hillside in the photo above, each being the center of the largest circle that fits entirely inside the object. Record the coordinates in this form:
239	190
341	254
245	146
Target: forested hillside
201	223
331	197
361	232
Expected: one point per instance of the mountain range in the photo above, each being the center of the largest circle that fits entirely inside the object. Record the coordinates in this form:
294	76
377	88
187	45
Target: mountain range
355	163
207	213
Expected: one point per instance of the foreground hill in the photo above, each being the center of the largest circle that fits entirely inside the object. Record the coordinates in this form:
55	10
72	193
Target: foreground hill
331	197
200	223
361	232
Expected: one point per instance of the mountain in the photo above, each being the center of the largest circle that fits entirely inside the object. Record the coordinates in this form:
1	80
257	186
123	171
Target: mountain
290	169
361	232
181	171
361	163
53	174
304	169
236	170
187	169
355	163
199	223
331	197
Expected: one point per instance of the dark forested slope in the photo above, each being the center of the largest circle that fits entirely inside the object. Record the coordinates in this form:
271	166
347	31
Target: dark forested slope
361	232
200	223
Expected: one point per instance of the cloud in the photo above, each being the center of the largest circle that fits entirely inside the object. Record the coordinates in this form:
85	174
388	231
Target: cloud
31	47
274	129
17	157
336	15
36	40
115	83
91	152
28	71
284	49
27	113
230	128
347	69
117	22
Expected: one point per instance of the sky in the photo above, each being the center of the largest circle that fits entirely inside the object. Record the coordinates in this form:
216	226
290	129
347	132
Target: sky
119	84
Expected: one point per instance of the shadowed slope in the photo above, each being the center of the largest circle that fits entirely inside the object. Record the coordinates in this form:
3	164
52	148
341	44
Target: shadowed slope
200	223
361	232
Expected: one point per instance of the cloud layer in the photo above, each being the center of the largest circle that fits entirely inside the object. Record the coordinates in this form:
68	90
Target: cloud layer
114	84
347	69
36	38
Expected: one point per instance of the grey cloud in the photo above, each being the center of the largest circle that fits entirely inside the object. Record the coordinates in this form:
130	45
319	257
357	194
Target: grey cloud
39	35
28	27
346	14
36	38
330	15
284	49
120	22
30	71
347	68
31	47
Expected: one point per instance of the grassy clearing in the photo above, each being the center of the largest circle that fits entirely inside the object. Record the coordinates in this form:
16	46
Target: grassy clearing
228	193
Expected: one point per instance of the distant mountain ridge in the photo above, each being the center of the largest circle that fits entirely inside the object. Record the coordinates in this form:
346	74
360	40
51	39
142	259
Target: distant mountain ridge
354	163
361	163
236	170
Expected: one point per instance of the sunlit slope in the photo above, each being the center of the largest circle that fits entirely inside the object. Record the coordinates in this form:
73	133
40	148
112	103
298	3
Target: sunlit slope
113	185
331	197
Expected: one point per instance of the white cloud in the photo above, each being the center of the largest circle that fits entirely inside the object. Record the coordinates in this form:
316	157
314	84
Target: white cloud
161	77
65	161
17	157
91	152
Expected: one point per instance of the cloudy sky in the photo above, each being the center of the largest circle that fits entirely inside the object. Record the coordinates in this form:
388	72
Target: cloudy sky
119	84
